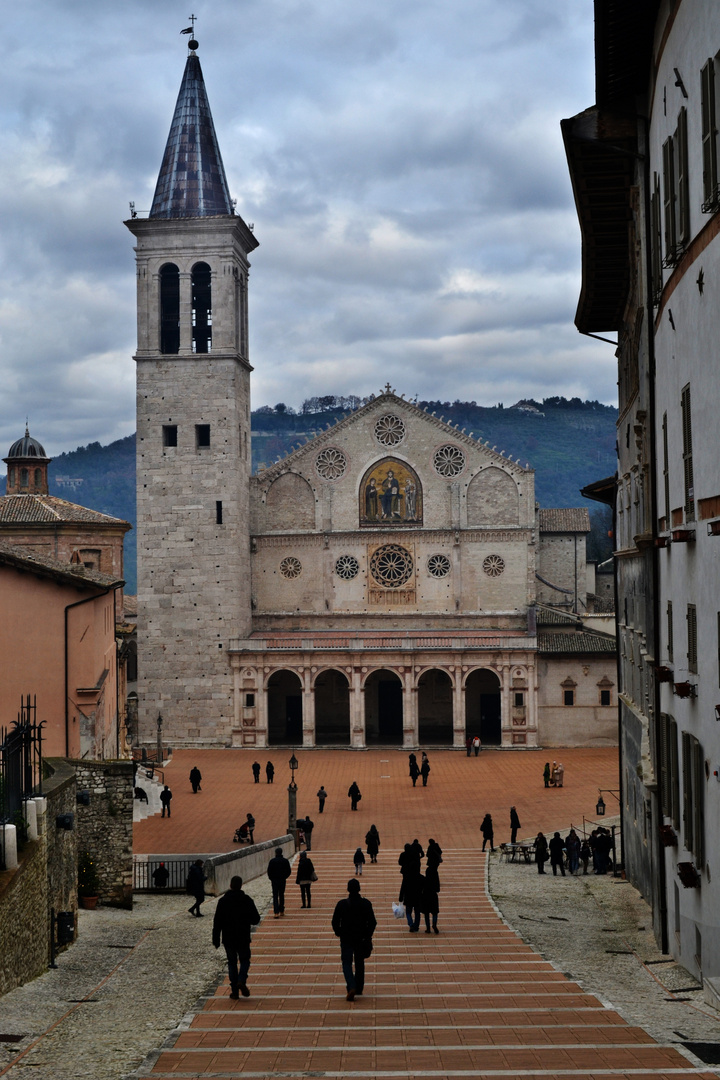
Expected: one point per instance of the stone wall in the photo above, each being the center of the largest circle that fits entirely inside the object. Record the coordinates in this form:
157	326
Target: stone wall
61	844
104	827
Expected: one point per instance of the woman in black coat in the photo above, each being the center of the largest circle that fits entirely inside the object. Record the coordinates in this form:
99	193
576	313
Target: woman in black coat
304	878
372	839
541	852
429	900
487	830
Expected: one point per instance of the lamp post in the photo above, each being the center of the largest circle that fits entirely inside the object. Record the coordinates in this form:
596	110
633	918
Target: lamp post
292	799
600	811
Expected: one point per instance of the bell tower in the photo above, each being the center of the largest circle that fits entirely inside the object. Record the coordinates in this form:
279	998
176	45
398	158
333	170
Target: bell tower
193	433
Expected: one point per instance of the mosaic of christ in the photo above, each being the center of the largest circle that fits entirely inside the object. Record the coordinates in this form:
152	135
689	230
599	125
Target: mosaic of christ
390	494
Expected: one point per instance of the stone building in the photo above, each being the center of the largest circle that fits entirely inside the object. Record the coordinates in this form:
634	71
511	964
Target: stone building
644	164
377	585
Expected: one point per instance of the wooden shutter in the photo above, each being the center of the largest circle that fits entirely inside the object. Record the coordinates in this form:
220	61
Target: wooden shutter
709	133
665	795
687	769
681	167
698	796
674	769
686	407
656	239
670	642
692	638
669	200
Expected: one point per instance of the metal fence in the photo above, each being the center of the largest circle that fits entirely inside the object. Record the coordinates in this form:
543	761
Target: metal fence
20	769
147	879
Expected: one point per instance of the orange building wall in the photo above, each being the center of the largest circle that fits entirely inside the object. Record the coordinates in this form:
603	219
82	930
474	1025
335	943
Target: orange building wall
60	541
32	661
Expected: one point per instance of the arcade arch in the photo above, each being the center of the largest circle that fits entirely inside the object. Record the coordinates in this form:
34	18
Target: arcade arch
332	709
284	704
483	714
435	708
383	709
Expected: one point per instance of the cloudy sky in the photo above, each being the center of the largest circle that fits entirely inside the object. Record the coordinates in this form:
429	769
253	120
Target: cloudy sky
402	164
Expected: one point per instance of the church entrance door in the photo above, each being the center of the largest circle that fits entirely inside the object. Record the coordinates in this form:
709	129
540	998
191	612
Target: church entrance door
435	708
383	709
332	709
482	707
284	709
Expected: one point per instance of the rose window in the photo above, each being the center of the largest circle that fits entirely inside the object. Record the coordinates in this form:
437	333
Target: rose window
438	566
391	566
291	567
347	567
449	460
389	430
331	463
494	565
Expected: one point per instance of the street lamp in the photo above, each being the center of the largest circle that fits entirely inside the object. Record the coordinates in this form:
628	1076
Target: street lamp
292	799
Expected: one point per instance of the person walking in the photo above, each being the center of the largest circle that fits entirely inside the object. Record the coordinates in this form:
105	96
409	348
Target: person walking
557	854
559	774
546	774
425	771
429	899
468	745
195	778
354	923
250	821
411	894
278	871
414	771
235	915
476	745
359	861
305	877
256	771
269	772
372	839
354	795
322	796
161	876
541	852
514	824
412	760
309	826
486	829
196	887
165	799
434	854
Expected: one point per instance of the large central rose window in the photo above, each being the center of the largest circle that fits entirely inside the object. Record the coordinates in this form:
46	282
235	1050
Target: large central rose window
391	566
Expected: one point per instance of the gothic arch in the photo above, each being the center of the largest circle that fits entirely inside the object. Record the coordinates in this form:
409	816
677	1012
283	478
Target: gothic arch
289	504
492	499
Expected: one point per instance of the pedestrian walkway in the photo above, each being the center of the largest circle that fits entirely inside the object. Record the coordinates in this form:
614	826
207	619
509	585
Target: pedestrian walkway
473	1001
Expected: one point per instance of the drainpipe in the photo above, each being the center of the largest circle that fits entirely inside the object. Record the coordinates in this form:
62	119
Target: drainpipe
78	603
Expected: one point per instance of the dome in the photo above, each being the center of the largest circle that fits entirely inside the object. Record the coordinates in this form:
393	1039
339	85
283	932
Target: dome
27	447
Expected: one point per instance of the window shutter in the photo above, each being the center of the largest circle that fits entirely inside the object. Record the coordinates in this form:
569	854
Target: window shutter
709	133
692	638
687	768
656	238
670	643
681	164
699	803
665	794
666	470
669	200
686	407
674	772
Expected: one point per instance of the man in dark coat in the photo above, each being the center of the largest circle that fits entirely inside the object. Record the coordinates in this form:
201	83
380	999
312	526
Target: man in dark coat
514	824
251	828
235	914
425	771
309	826
161	876
354	795
557	850
270	772
195	778
196	887
414	771
165	797
278	871
354	923
256	771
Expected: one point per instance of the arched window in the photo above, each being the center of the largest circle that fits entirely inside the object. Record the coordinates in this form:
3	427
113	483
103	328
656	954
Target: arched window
201	308
24	478
38	478
169	309
11	477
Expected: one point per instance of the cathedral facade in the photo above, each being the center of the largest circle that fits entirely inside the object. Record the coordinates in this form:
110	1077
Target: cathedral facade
376	586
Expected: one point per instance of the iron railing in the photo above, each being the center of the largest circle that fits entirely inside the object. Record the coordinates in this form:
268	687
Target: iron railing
20	769
144	879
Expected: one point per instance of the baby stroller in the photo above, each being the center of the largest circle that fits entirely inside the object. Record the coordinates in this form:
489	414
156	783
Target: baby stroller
241	834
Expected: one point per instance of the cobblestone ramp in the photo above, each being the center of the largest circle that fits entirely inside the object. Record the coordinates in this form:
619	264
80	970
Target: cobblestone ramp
473	1001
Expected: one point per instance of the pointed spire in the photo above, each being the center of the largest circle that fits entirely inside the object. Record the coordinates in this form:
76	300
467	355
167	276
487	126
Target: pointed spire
192	179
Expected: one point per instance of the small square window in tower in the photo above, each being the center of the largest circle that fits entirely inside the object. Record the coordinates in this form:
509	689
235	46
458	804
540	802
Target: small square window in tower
202	435
169	432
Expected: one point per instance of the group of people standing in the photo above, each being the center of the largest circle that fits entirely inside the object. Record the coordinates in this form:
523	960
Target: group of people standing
553	777
419	893
269	772
569	852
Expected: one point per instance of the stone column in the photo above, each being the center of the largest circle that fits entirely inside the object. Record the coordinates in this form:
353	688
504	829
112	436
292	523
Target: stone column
308	707
505	710
410	710
458	708
261	731
185	313
531	711
357	710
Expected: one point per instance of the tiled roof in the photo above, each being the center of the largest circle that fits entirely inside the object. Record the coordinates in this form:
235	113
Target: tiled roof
129	605
546	617
44	565
48	509
581	642
575	519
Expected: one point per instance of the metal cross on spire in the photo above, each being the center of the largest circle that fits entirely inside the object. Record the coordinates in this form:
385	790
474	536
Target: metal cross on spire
190	29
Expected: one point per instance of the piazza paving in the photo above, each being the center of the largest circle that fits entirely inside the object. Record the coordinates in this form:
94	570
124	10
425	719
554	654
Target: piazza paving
473	1001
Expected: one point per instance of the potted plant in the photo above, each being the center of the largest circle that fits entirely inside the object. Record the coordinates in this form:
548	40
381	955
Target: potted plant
88	881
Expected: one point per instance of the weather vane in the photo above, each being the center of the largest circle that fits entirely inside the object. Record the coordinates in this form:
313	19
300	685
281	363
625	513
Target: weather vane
192	44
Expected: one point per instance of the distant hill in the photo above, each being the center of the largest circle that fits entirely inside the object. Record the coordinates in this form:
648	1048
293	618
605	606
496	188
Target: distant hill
568	443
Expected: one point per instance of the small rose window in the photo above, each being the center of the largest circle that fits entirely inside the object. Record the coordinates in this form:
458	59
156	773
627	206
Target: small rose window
494	565
347	567
449	460
389	430
391	566
438	566
291	567
331	463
